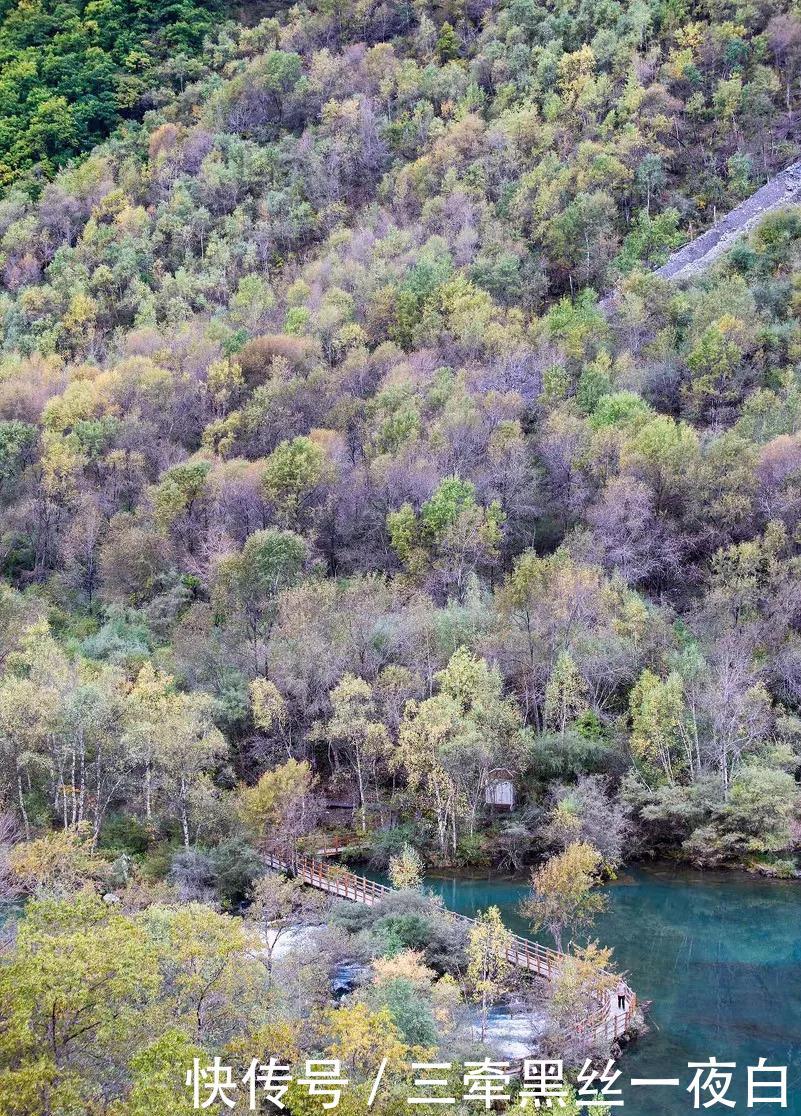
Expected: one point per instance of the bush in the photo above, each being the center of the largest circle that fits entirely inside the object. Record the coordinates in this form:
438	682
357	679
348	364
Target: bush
383	844
779	869
236	866
472	851
121	640
407	920
157	862
568	756
411	1014
192	872
258	354
397	932
125	834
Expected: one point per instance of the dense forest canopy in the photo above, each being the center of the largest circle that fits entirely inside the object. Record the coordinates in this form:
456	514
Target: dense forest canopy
70	71
327	476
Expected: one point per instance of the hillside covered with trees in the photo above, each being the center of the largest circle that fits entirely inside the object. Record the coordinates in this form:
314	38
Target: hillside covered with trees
70	72
325	478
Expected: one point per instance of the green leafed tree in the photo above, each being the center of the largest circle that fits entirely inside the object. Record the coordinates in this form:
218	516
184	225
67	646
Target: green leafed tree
246	585
564	893
489	970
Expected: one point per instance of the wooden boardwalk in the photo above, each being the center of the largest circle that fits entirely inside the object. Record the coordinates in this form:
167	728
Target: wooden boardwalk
607	1022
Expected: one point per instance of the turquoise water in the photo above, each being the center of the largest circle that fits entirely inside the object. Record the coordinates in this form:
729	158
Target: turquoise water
720	957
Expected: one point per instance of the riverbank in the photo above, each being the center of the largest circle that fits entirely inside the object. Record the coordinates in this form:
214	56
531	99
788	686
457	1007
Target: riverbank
444	872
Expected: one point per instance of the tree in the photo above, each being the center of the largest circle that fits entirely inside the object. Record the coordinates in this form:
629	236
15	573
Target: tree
361	1038
9	837
69	76
581	237
407	987
270	712
449	743
148	704
86	991
190	747
760	807
157	1075
353	732
32	689
556	606
448	45
292	474
563	891
650	178
133	559
17	445
281	807
421	735
406	869
421	1005
630	540
662	454
752	824
57	865
278	906
783	33
583	986
650	241
213	983
661	741
489	970
715	363
588	811
178	501
82	978
564	696
82	549
91	762
452	533
246	585
24	723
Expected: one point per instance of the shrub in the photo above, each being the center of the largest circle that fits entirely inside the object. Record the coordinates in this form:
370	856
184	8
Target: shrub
192	872
236	866
124	833
258	354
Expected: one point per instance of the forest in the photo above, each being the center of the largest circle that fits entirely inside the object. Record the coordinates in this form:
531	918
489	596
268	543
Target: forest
70	72
352	460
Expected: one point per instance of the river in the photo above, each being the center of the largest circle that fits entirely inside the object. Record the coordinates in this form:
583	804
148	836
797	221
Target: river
719	954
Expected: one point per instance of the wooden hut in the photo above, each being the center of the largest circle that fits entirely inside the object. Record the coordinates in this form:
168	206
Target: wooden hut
499	793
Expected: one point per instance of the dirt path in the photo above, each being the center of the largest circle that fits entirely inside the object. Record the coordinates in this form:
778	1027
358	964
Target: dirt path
784	189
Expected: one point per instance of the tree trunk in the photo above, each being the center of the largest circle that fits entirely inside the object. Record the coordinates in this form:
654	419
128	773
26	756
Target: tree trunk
23	811
148	788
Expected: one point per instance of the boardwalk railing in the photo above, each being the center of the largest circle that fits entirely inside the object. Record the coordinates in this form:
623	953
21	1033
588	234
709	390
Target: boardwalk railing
524	953
606	1023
